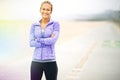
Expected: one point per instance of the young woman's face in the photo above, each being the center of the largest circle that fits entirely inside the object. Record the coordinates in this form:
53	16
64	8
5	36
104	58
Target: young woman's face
46	11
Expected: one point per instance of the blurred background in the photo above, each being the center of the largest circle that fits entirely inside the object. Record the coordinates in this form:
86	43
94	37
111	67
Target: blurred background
84	23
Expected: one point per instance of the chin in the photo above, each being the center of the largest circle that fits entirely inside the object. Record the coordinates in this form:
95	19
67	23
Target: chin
46	17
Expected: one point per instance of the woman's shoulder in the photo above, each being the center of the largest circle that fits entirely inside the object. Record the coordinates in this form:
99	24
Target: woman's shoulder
55	22
35	23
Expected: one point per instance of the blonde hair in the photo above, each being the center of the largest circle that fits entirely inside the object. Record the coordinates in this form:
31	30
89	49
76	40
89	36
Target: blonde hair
48	2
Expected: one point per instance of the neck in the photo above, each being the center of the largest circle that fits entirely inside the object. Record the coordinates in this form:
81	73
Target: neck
45	20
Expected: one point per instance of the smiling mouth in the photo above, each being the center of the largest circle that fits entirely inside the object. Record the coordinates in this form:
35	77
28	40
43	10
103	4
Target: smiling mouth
45	15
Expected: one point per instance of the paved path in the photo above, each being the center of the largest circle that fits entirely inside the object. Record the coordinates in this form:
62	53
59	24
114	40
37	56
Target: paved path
90	56
102	62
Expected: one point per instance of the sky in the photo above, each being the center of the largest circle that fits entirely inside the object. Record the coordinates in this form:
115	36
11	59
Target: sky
29	9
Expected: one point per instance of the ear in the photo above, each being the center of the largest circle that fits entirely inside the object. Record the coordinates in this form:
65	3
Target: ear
40	10
51	12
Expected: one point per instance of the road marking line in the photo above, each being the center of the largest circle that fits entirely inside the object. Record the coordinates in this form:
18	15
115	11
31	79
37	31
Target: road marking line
78	68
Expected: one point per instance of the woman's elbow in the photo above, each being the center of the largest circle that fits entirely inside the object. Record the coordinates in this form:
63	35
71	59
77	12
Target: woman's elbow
32	44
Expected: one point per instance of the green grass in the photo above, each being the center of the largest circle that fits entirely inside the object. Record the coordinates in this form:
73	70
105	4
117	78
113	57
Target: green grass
111	44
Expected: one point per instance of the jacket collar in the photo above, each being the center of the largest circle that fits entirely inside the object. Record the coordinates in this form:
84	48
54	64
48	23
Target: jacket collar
50	22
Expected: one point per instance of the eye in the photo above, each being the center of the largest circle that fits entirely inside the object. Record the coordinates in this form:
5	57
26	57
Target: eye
48	9
43	8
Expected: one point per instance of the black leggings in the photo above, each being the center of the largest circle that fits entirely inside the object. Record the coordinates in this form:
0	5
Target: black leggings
50	69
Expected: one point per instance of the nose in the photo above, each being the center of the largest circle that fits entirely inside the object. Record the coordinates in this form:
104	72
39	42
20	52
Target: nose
45	11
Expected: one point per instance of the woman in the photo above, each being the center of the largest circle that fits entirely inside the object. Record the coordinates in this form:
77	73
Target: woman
43	36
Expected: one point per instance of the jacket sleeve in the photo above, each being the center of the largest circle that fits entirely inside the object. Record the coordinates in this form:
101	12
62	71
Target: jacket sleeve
32	40
52	40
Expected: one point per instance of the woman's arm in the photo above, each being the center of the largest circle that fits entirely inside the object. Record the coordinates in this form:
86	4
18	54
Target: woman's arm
33	40
54	36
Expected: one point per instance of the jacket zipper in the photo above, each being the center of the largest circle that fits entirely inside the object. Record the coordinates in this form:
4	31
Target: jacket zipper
42	33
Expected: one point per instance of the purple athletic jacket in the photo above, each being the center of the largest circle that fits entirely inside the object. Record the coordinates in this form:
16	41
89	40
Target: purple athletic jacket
43	43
